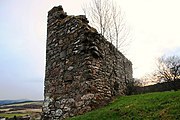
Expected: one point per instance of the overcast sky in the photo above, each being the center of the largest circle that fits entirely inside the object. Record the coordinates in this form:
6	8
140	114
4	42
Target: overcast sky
154	27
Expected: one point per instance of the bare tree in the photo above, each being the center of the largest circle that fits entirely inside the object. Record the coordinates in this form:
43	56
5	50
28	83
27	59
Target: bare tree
168	68
149	79
108	19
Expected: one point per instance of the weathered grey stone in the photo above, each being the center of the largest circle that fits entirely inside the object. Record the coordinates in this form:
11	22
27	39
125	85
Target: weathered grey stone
94	48
76	42
63	101
63	54
87	96
46	110
71	100
47	102
58	112
66	109
70	68
57	104
80	103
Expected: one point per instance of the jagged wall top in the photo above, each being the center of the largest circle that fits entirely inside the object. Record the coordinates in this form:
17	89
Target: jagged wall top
58	13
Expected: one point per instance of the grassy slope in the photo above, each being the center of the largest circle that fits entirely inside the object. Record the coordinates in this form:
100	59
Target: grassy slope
152	106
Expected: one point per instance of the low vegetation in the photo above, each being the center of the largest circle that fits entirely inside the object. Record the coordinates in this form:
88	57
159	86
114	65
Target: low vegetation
32	109
151	106
11	115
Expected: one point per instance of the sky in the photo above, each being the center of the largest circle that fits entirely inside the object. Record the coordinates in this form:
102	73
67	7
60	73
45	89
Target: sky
154	28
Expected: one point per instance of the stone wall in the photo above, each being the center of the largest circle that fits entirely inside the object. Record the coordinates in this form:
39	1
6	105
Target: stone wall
83	70
159	87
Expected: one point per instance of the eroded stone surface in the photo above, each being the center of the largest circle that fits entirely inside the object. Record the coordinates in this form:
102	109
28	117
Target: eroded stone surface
83	70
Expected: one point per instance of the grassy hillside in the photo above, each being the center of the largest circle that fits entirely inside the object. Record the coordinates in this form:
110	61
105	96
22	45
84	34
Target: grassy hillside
152	106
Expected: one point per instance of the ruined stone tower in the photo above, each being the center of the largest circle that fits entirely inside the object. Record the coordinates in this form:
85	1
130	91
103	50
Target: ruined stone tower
83	70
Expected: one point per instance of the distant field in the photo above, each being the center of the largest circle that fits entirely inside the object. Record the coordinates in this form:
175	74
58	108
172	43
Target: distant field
22	103
11	115
152	106
32	109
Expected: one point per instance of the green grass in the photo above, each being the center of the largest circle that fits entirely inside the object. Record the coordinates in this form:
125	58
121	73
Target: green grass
11	115
152	106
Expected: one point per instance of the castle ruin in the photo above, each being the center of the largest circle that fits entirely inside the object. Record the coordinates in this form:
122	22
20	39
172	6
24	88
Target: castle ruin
83	70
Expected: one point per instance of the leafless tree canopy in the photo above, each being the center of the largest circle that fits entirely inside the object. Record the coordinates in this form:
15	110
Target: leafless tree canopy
168	68
149	79
108	19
